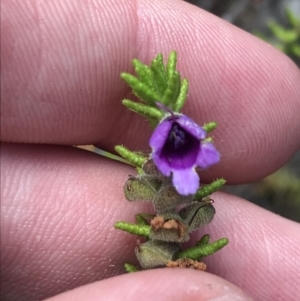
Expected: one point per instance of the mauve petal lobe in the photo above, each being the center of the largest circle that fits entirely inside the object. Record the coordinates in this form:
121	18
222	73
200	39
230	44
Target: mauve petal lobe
208	155
191	127
160	135
186	181
162	164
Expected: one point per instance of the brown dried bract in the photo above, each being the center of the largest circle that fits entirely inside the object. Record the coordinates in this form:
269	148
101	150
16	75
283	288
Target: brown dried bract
173	224
157	222
187	263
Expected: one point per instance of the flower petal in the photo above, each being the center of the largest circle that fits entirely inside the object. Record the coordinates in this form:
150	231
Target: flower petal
162	164
208	155
191	127
160	135
186	181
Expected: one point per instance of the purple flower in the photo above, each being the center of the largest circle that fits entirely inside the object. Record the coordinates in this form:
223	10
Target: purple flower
178	147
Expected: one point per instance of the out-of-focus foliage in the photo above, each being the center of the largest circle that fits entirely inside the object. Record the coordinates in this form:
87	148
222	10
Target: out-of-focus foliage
282	189
279	192
285	39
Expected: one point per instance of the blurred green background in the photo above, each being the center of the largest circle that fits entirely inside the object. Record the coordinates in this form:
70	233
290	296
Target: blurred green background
278	23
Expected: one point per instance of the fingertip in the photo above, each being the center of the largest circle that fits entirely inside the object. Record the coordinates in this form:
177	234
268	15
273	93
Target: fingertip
158	285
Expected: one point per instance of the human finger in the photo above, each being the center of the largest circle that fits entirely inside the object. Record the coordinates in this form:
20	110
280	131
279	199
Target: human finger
158	285
59	205
61	84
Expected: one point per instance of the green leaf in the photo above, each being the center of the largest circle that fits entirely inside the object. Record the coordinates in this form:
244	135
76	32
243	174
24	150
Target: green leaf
129	268
140	89
157	83
145	110
208	189
210	126
141	230
181	99
204	240
132	157
204	250
159	73
171	64
144	72
142	218
172	92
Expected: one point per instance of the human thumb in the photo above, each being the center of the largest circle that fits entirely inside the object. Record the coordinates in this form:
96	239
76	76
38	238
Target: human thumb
158	285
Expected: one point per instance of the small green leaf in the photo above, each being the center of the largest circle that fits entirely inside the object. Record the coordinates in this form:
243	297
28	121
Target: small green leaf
140	89
159	73
145	110
144	72
129	268
210	126
132	157
171	64
200	251
204	240
142	218
208	189
157	83
181	99
172	92
141	230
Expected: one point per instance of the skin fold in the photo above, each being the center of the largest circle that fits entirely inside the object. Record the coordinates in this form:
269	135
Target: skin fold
60	86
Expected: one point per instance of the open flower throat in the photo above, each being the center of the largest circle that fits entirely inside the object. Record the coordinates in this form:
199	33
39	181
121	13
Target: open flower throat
178	147
181	148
